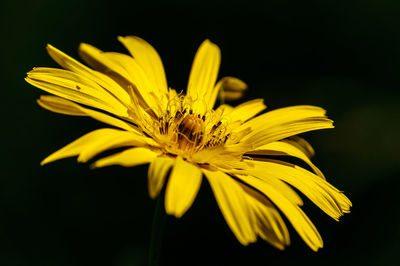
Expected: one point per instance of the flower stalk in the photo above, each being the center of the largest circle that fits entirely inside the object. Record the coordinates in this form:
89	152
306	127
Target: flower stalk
157	232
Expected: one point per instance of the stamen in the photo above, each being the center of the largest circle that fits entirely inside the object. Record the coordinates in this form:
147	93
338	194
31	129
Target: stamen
181	131
191	131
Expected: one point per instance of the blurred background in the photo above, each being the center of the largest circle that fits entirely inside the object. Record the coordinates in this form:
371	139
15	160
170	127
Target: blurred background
341	55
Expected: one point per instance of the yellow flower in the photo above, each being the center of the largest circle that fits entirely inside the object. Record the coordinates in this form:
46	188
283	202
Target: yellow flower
236	150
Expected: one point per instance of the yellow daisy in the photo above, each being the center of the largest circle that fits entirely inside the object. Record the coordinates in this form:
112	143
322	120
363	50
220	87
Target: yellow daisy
184	138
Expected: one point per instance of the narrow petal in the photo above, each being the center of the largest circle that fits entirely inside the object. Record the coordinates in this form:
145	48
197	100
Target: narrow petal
203	75
284	123
69	78
320	192
122	68
98	60
294	214
278	184
157	173
104	81
71	86
269	223
285	115
183	186
59	105
136	75
285	130
286	148
149	60
301	144
224	108
96	142
246	110
102	117
128	158
234	206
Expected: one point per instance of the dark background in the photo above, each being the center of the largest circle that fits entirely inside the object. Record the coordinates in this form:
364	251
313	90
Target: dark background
340	55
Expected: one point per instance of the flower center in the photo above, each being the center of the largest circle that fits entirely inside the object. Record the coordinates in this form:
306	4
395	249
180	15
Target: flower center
190	132
181	131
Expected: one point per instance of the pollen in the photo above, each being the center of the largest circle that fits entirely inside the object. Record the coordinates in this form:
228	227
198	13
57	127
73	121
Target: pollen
180	131
190	132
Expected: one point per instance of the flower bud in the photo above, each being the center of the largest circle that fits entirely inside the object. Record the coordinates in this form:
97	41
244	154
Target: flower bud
232	88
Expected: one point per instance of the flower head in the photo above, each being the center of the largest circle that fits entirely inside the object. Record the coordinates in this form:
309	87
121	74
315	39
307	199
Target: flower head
184	136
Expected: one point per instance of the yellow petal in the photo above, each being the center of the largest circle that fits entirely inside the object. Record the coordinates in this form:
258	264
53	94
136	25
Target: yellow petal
279	185
294	214
59	105
320	192
98	59
96	142
104	81
157	173
224	108
203	75
301	144
284	130
246	110
233	204
71	86
149	60
269	223
283	123
102	117
121	68
143	85
283	116
183	186
128	158
286	148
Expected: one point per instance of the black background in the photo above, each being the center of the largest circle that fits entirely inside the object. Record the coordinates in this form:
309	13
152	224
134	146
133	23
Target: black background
341	55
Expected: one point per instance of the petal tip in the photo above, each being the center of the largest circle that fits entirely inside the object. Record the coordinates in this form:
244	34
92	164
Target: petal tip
93	166
81	159
51	49
152	194
121	38
45	161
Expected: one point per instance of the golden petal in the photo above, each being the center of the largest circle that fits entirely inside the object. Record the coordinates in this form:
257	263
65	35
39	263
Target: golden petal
234	206
294	214
128	158
157	174
96	142
149	60
182	188
203	75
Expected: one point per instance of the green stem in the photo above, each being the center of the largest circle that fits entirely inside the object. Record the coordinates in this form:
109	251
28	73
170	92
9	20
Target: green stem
157	232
